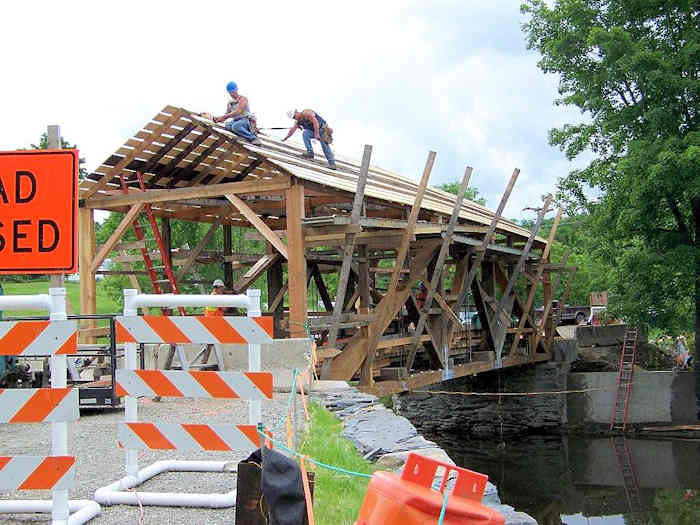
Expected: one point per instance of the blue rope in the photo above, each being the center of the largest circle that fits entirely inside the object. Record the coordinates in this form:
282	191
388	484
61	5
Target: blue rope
444	507
282	446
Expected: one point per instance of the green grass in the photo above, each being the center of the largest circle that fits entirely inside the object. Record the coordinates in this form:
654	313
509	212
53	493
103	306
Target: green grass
104	303
337	497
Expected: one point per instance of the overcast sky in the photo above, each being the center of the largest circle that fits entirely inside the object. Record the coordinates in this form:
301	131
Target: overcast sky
406	77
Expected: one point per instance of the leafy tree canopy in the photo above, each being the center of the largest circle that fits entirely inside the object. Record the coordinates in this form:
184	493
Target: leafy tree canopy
632	68
472	193
44	144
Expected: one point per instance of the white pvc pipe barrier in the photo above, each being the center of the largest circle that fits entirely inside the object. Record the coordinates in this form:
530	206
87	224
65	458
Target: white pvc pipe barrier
27	302
59	430
116	492
60	506
134	300
82	510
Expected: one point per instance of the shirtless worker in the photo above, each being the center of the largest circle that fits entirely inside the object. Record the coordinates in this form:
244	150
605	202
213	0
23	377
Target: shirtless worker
313	126
237	116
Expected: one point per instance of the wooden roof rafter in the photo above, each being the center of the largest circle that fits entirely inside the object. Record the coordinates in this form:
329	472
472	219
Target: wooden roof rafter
191	158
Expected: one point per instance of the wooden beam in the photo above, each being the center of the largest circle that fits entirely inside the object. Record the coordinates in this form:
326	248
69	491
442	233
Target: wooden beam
296	260
387	308
255	271
279	183
279	298
86	247
349	247
505	305
437	272
423	379
220	158
122	246
259	225
321	287
446	308
166	235
274	286
165	171
481	251
548	306
113	171
338	239
346	364
533	288
228	250
128	219
92	333
192	257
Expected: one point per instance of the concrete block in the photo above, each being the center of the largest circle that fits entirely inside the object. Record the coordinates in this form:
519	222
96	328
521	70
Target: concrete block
657	397
600	335
329	386
280	358
564	350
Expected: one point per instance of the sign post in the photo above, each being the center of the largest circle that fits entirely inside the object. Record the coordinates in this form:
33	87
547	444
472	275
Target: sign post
38	211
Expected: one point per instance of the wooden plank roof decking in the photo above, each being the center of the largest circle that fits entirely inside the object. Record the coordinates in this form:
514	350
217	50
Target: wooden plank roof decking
178	149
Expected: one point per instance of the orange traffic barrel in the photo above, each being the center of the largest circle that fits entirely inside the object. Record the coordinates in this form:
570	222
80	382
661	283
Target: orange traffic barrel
411	500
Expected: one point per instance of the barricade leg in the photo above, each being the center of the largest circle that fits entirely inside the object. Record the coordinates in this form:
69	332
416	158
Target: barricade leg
81	510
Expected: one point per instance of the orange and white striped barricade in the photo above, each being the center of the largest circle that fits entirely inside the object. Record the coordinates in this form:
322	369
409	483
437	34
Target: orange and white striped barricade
134	435
58	405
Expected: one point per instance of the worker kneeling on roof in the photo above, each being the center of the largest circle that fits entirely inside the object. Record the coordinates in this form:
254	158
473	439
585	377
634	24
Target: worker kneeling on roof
313	126
238	118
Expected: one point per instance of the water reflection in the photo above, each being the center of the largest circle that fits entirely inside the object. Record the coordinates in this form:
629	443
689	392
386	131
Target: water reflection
581	481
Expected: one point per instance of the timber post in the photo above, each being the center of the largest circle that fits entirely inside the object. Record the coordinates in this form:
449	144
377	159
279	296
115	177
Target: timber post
88	286
296	263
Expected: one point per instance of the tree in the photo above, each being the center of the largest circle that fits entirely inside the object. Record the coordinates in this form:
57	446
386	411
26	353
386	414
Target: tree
632	67
472	194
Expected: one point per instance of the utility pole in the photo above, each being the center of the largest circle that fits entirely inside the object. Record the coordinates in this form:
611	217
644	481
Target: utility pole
53	133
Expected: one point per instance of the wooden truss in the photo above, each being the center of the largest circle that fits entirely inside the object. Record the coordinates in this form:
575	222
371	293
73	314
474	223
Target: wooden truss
360	232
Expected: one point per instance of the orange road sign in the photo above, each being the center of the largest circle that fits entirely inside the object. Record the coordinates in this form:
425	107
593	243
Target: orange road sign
38	211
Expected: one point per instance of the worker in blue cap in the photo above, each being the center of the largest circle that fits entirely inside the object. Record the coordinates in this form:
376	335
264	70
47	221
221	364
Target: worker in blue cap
238	117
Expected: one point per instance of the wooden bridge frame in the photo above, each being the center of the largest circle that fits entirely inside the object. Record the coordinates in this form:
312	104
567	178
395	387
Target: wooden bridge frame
354	222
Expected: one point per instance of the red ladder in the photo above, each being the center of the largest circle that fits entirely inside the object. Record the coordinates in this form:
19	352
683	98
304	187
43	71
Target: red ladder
161	247
632	492
618	421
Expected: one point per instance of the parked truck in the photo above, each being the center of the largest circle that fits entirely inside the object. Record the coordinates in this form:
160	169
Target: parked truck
566	314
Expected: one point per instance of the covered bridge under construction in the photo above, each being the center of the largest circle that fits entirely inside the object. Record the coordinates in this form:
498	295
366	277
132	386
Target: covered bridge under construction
381	235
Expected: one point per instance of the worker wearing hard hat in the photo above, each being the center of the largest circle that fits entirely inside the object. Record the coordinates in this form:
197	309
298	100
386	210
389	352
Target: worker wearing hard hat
217	289
238	117
313	126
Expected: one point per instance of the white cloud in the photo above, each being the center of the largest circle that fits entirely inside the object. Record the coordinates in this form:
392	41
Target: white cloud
454	77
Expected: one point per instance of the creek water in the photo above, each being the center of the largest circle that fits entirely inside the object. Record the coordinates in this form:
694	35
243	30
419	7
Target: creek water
588	481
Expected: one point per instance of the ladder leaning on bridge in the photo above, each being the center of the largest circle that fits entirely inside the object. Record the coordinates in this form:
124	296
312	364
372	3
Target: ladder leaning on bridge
618	421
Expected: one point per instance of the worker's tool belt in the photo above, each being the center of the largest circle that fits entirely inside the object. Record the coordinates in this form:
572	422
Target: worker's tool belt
327	134
252	123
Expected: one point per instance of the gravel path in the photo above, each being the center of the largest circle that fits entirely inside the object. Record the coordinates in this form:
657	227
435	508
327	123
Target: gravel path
100	462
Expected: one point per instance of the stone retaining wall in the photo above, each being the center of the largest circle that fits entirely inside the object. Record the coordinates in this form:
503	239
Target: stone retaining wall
381	435
483	416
